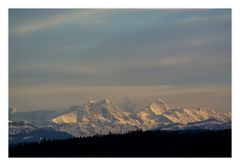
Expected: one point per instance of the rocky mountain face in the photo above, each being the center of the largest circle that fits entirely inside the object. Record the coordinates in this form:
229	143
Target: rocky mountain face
104	116
95	118
159	114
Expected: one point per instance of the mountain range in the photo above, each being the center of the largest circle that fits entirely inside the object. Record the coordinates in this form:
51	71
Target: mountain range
104	117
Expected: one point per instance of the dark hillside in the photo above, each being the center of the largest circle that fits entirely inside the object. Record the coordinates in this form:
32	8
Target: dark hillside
135	144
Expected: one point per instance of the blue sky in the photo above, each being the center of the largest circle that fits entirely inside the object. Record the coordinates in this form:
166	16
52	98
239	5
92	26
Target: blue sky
63	57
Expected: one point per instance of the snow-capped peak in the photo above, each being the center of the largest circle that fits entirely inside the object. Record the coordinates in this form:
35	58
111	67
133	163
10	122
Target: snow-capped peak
98	117
92	101
158	107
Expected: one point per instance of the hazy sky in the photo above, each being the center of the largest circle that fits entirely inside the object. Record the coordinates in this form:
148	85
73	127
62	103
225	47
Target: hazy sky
58	58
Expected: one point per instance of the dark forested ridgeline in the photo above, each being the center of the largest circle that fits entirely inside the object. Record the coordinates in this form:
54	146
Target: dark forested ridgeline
134	144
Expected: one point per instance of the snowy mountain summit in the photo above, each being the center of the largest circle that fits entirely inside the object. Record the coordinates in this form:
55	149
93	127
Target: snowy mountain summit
94	118
102	117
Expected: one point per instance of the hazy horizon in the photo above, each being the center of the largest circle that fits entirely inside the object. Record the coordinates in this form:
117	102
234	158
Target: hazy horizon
64	57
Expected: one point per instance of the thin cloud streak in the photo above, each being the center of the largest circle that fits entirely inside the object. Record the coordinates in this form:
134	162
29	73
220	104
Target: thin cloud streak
102	68
55	20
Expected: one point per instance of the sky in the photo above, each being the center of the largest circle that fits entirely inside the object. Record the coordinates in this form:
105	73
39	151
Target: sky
64	57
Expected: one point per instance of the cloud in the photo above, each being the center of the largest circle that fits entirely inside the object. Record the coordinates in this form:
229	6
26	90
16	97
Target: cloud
144	62
172	70
54	20
64	57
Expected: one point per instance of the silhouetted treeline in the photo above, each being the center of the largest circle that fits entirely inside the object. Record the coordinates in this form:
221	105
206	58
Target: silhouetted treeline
134	144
